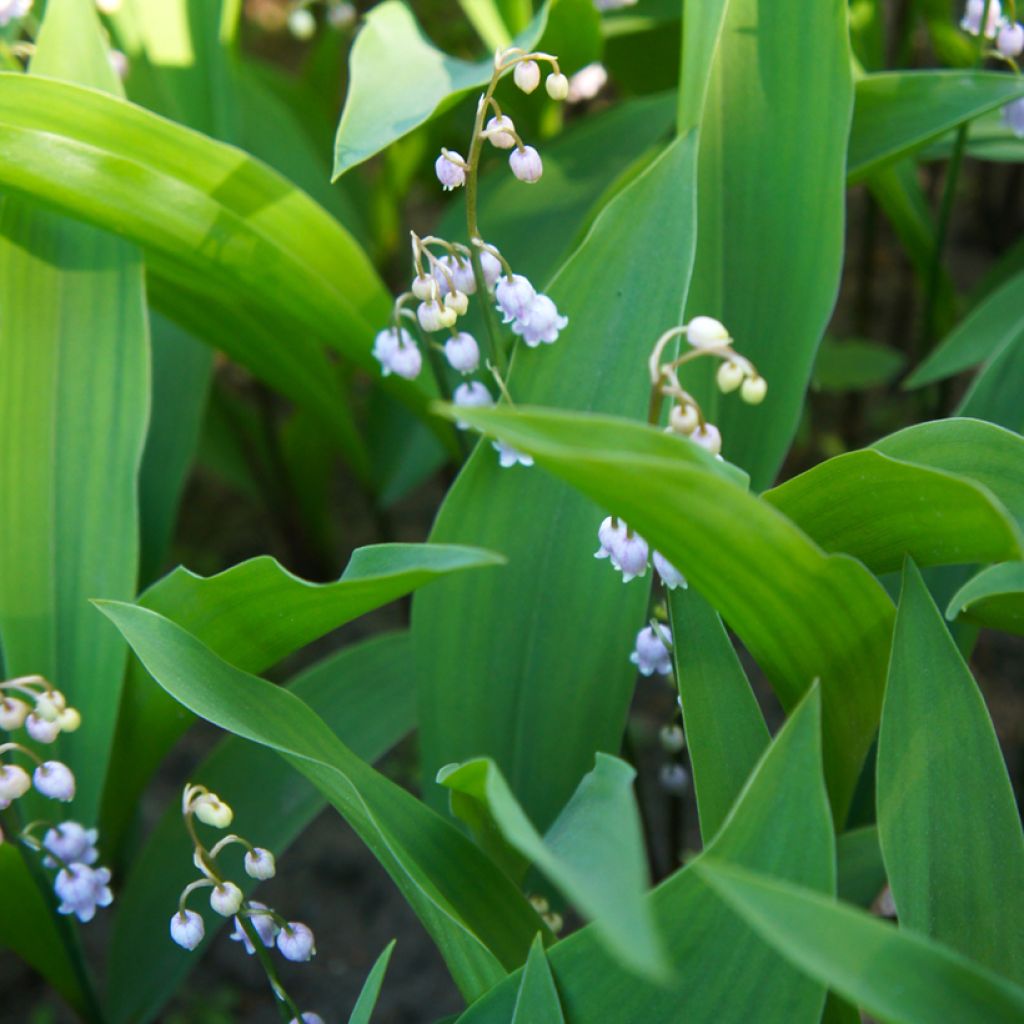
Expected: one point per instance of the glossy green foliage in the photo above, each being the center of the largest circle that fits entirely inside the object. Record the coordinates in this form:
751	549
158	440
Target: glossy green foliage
481	923
725	731
896	975
370	991
537	998
899	111
371	718
721	972
532	670
771	583
593	852
770	198
994	598
947	820
854	364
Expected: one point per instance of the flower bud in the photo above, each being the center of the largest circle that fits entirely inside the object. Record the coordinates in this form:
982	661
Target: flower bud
457	302
499	131
406	362
226	899
669	574
13	713
423	287
706	332
187	929
462	352
108	6
674	779
212	811
295	941
14	782
557	86
430	315
40	729
260	863
451	271
54	779
1010	41
526	164
708	438
448	316
527	75
753	391
302	24
69	720
683	419
672	738
50	704
471	395
651	653
491	266
450	169
730	376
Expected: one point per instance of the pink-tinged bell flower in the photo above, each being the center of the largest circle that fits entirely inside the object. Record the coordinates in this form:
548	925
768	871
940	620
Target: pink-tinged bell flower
451	170
527	75
526	164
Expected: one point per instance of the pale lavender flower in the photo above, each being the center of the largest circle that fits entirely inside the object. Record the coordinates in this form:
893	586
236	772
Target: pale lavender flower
54	779
1010	41
651	653
71	843
527	75
975	11
262	920
509	456
526	164
514	296
462	352
295	942
499	131
260	863
541	323
82	889
451	170
187	929
1013	115
669	574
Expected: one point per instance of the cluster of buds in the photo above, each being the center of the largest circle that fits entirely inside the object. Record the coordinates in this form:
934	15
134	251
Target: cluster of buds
550	917
68	848
985	18
630	554
257	926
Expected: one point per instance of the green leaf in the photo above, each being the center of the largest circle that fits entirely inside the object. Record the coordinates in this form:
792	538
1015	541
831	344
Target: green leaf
861	870
74	381
481	923
771	220
994	598
994	394
780	825
990	328
879	509
854	365
725	731
371	719
398	80
370	991
947	821
594	851
990	138
899	111
537	999
896	975
768	579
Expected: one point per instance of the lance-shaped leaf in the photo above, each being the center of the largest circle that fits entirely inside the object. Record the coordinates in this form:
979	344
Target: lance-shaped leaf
537	998
994	394
253	615
994	598
481	923
860	867
780	825
772	584
593	852
371	718
895	975
370	992
947	820
900	111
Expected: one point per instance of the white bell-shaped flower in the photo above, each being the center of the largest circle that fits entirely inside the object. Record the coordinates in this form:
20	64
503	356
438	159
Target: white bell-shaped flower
527	75
187	929
500	132
631	556
450	169
13	712
82	889
54	779
509	456
71	843
260	863
1010	41
651	653
462	352
295	942
706	332
708	437
514	296
526	164
471	395
668	573
14	782
557	86
226	899
40	729
541	323
491	266
975	11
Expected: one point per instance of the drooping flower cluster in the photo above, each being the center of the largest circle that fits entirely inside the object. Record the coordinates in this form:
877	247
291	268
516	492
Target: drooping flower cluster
32	703
1008	36
448	273
257	926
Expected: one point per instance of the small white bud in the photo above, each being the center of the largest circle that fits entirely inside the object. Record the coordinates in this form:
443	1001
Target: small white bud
302	24
212	811
260	863
50	704
471	395
262	921
753	391
423	287
69	720
651	653
672	738
669	574
14	782
706	332
509	456
295	941
457	302
557	86
1010	41
683	419
187	929
587	82
54	779
708	437
730	376
430	315
40	729
499	131
526	164
674	779
13	713
341	15
462	352
226	899
450	169
527	75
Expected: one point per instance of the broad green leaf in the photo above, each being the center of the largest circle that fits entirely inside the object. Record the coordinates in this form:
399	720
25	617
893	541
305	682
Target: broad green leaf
947	820
896	975
879	509
537	998
74	383
253	615
994	598
370	718
398	79
370	991
725	731
770	218
990	328
990	138
897	112
994	394
861	872
771	583
854	365
720	970
505	665
481	923
593	852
